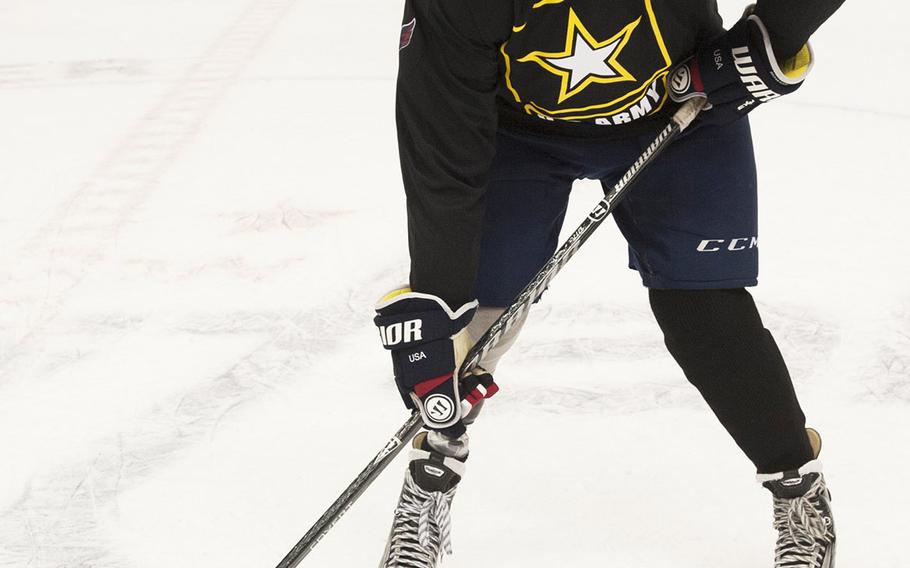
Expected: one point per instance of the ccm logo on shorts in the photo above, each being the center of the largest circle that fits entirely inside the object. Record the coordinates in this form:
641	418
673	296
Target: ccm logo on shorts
732	245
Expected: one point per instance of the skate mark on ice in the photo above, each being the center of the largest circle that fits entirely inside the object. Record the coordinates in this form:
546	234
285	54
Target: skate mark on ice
236	267
878	113
644	396
85	227
595	350
605	358
282	217
61	518
887	378
89	72
591	333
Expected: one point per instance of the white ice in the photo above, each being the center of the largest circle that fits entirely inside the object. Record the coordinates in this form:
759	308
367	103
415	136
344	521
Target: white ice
199	202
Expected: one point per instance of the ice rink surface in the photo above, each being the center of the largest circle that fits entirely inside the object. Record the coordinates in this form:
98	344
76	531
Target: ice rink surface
199	203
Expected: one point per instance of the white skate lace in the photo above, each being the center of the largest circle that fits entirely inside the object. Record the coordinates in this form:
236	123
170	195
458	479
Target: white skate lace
429	514
801	528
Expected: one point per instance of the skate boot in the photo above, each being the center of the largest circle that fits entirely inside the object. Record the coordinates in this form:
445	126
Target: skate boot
421	529
802	516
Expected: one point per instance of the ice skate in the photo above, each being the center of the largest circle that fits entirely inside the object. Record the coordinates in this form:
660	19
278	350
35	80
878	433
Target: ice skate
421	529
802	516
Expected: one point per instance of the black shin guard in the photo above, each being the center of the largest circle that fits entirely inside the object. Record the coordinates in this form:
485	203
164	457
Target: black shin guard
718	339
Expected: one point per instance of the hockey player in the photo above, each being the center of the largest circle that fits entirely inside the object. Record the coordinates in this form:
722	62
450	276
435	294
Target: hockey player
501	105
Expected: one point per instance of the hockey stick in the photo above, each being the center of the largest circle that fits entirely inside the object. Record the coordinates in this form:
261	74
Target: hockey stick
682	119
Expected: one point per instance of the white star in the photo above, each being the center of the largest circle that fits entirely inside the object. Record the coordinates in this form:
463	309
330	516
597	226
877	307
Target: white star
586	61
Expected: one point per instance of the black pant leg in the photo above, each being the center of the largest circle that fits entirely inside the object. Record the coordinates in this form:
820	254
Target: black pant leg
718	339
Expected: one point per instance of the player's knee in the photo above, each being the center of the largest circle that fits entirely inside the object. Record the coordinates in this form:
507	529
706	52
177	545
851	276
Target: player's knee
703	329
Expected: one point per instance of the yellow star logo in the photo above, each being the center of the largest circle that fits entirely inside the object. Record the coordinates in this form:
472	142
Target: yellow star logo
585	60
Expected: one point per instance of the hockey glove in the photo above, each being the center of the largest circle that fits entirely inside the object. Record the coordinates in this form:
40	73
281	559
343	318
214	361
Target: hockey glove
428	342
737	71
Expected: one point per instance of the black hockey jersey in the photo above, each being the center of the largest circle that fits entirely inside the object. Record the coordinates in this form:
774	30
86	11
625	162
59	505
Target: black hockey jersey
582	63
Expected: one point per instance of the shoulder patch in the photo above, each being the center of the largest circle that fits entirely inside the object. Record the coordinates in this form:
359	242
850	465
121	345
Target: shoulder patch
407	32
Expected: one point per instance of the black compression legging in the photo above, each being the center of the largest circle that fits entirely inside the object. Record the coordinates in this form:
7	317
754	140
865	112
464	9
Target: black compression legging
718	339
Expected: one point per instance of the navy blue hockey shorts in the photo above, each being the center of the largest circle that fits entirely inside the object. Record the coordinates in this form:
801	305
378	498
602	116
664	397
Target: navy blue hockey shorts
690	220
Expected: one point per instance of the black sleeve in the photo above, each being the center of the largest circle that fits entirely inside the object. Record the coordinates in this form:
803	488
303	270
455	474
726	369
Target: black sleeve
791	22
446	115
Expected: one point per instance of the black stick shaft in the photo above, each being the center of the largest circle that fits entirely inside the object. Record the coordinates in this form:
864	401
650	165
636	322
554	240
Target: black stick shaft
683	117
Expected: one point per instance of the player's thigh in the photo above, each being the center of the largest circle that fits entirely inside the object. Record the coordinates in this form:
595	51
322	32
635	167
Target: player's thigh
691	222
526	202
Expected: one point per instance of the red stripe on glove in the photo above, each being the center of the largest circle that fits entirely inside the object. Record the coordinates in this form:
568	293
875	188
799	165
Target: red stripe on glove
696	77
424	388
474	397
